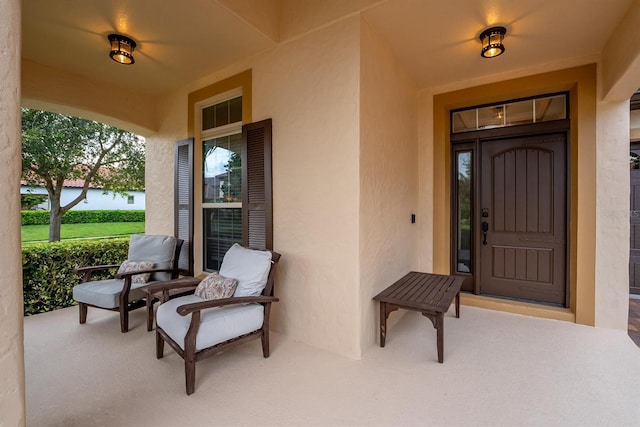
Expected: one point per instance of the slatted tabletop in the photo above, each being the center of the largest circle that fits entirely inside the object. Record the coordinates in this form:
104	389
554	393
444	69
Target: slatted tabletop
431	294
422	291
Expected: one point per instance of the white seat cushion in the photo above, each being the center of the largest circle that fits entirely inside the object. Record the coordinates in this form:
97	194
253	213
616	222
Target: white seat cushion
216	324
104	293
249	267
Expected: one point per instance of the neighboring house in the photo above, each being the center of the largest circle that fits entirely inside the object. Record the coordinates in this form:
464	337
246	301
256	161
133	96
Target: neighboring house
374	105
96	198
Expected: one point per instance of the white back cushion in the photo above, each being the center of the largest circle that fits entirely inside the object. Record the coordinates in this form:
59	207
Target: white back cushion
155	248
249	267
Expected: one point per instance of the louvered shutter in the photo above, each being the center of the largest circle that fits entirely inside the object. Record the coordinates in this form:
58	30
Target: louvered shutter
257	206
183	216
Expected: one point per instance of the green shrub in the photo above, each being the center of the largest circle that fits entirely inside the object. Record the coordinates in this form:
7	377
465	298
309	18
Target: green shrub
35	217
84	217
47	269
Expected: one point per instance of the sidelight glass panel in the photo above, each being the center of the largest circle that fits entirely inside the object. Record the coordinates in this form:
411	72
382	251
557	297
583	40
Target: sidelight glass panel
464	223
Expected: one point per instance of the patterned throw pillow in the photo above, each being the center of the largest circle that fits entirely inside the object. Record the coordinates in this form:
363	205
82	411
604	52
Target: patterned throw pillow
129	266
214	286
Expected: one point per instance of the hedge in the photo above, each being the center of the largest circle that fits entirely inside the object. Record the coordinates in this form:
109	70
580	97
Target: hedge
47	269
84	217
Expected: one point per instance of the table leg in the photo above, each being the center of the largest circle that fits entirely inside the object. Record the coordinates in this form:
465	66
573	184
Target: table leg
458	305
383	323
440	331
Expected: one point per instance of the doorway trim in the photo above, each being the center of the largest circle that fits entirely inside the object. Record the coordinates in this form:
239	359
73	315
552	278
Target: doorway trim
580	82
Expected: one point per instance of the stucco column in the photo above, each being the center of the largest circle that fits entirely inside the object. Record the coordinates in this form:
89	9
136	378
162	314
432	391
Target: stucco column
612	216
12	397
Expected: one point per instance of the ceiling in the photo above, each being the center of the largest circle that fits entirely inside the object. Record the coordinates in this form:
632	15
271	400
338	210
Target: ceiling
436	41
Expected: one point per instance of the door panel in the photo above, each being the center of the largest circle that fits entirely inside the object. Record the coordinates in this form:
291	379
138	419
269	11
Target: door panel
523	186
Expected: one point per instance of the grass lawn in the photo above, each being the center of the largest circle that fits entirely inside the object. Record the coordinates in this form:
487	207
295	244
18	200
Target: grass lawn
39	233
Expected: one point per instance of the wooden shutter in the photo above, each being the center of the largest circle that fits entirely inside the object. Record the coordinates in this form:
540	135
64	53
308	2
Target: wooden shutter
257	206
183	216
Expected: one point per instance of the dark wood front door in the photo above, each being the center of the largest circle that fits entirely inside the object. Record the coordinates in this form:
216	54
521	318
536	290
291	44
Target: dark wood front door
522	220
634	219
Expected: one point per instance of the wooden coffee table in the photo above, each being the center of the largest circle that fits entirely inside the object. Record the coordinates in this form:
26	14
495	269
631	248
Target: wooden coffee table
430	294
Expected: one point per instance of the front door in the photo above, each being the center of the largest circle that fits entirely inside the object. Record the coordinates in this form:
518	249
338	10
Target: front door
521	238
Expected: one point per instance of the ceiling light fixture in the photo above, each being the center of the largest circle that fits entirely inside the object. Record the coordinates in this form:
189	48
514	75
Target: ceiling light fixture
122	49
492	39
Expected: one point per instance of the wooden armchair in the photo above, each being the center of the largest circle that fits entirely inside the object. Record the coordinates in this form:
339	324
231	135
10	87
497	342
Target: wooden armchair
197	328
122	293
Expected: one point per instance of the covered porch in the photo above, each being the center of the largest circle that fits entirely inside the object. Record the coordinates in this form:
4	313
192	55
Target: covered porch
499	369
361	94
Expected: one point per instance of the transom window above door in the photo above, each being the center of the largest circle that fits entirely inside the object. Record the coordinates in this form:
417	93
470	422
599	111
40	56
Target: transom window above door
543	108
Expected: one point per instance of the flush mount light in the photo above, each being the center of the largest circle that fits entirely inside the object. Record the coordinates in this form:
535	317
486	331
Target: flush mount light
121	49
492	39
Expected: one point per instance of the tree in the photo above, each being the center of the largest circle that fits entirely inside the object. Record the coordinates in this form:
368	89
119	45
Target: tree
57	147
28	201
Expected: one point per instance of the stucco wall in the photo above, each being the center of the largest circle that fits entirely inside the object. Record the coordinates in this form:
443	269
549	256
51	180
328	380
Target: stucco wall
424	250
388	175
51	89
619	78
620	64
12	403
309	87
159	166
612	215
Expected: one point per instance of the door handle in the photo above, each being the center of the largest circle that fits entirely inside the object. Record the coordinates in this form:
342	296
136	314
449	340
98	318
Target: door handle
485	229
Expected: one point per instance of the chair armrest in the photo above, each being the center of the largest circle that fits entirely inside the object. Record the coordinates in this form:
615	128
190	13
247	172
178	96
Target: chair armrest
86	272
152	270
185	309
185	282
82	270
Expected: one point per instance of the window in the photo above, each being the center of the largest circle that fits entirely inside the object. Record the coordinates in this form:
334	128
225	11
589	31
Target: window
130	200
221	139
225	196
534	110
464	218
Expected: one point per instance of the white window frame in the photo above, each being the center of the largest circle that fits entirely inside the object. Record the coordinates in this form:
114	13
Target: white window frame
217	132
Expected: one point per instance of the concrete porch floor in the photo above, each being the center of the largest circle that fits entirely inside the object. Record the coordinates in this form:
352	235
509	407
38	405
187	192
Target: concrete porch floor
500	369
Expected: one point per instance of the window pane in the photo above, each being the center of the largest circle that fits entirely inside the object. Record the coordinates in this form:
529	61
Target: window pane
222	114
490	117
222	170
519	113
208	119
551	108
464	161
235	110
222	228
464	121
